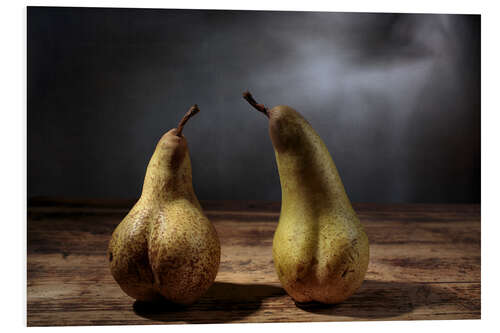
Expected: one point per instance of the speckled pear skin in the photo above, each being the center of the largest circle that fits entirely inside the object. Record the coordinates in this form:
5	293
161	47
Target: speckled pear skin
166	248
320	248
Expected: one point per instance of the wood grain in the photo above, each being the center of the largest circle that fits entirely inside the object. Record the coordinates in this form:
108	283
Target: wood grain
425	264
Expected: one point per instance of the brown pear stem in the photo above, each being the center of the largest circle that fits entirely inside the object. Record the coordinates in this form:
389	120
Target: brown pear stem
260	107
191	112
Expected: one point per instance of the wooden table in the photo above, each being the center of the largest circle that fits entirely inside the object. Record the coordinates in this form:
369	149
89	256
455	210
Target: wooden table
425	264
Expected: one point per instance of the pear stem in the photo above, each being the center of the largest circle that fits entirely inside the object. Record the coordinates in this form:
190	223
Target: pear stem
191	112
260	107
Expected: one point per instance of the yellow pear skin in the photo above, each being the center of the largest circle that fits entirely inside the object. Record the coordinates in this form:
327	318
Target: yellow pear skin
166	248
320	248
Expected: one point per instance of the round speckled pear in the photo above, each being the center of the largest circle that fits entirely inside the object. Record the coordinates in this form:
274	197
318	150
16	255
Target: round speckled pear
166	248
320	248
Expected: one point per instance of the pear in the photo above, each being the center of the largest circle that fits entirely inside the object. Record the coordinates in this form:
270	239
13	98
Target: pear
166	248
320	249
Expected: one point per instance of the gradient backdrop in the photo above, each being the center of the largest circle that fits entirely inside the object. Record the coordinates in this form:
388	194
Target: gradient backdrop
395	97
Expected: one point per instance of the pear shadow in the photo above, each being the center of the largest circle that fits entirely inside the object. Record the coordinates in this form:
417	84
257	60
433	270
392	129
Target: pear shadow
223	302
380	299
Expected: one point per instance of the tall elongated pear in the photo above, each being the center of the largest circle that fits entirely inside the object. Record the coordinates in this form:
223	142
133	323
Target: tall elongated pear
166	248
320	248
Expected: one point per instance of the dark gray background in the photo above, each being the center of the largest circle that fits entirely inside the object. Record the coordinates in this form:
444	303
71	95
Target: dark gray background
395	97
